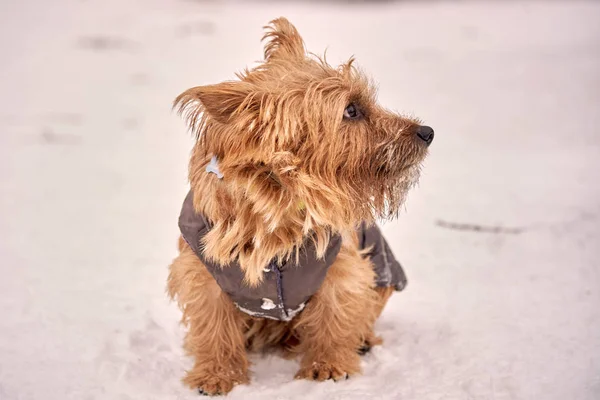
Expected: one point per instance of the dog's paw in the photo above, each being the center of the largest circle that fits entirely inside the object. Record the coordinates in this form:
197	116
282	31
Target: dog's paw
214	384
368	344
322	371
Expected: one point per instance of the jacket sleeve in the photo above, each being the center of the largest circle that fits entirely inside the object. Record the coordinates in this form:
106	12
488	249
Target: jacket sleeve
388	270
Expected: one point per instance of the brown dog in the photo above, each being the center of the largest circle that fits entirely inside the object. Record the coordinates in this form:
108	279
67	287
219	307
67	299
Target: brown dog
293	163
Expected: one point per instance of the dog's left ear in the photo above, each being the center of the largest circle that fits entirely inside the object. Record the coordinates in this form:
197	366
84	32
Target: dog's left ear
220	101
283	40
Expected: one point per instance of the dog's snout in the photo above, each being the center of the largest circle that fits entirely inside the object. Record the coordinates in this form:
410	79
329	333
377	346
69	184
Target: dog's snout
425	133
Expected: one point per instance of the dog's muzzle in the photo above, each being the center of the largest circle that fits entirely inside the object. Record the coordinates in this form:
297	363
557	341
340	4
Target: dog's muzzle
425	133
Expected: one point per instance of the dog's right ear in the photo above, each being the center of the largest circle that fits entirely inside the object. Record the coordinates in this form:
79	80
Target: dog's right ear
219	101
283	40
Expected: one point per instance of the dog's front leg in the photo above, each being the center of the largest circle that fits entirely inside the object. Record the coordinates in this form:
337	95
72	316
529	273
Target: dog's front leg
215	327
337	319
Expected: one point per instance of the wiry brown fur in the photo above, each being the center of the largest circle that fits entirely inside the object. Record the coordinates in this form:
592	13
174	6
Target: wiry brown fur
293	168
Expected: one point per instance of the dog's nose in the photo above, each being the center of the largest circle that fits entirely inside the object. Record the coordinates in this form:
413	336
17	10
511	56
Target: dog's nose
425	133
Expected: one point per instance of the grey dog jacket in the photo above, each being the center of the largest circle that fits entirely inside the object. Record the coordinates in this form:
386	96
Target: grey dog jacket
286	288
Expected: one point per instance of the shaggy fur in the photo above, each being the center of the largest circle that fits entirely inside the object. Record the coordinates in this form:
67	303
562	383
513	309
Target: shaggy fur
295	165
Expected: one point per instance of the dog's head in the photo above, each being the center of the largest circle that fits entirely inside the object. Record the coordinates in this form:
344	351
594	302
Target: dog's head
296	132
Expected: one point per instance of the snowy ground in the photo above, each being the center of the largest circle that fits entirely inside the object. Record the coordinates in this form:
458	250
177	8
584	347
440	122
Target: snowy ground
93	172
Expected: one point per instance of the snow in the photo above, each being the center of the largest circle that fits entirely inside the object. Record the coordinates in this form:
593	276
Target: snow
292	312
267	304
93	172
254	313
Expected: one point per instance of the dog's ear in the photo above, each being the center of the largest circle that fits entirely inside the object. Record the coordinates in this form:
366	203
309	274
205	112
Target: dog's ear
283	40
220	101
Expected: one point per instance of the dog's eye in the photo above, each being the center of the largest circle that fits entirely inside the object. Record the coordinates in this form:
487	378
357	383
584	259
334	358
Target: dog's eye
352	112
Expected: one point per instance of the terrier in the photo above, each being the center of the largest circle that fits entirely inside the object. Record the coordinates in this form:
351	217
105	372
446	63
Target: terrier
294	161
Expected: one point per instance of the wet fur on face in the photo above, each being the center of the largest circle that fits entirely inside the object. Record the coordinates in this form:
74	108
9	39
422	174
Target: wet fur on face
305	152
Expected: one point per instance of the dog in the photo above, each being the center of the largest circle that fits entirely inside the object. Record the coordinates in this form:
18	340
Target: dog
294	162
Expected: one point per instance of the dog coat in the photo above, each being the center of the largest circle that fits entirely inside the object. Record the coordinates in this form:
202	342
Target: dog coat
286	288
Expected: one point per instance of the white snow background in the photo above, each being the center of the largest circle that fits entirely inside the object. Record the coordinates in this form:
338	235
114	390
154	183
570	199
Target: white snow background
93	172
